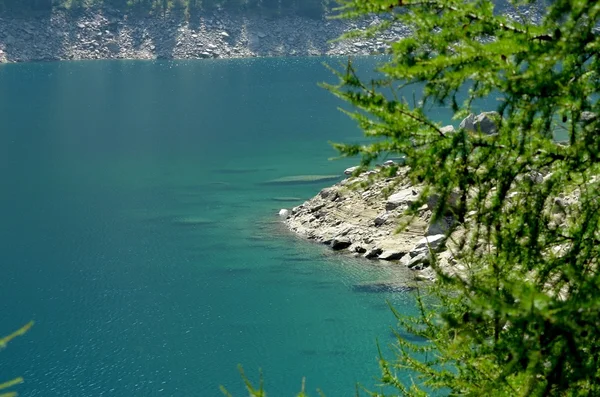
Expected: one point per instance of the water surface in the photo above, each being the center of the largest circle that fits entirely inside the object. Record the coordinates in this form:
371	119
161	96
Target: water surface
138	232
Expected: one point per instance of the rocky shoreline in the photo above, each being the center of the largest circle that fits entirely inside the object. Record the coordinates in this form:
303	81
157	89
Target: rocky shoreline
366	215
106	33
359	216
110	34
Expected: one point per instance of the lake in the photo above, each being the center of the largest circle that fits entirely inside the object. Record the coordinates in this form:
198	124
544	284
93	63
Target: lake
138	232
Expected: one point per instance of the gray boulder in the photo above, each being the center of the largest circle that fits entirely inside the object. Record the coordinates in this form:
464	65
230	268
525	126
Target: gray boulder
440	226
419	262
373	253
486	124
381	219
390	255
468	123
341	242
483	123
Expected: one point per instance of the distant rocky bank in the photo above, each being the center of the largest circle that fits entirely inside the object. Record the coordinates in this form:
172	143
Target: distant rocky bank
106	33
111	34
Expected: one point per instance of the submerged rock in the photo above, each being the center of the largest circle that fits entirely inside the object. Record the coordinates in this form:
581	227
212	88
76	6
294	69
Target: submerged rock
192	221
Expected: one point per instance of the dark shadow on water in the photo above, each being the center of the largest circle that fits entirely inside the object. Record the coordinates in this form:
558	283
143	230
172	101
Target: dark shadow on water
380	288
407	336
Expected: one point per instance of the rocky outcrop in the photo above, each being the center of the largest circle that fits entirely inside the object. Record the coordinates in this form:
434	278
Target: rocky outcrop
364	219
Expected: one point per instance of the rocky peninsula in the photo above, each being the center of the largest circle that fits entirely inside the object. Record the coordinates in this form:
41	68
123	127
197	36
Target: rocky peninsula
366	215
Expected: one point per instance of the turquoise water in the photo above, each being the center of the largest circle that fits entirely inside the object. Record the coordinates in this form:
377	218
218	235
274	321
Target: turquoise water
137	231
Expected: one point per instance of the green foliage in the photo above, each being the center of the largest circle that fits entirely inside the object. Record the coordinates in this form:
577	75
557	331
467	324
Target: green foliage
3	342
521	316
260	392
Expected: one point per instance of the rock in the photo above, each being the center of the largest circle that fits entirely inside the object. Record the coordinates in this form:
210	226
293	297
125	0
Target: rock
536	177
468	123
113	46
440	226
381	218
350	171
587	116
559	206
448	129
340	242
452	201
486	123
390	255
427	274
224	34
403	197
284	213
328	193
434	242
419	262
483	123
373	253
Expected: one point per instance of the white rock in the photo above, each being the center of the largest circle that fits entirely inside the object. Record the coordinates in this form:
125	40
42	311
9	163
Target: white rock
350	171
448	129
406	196
434	242
441	226
284	213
